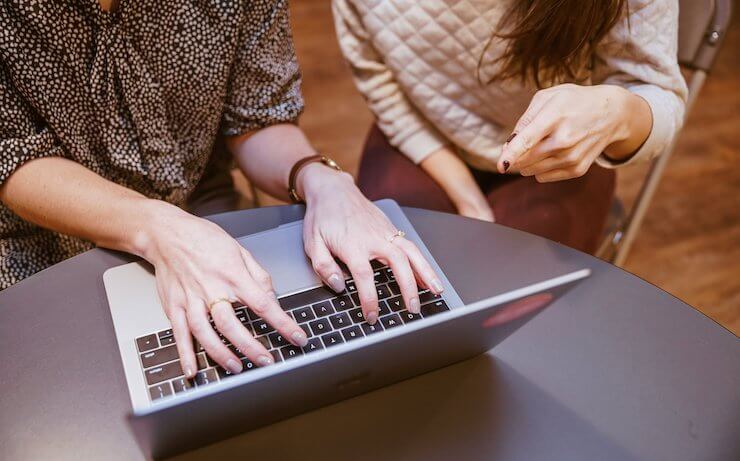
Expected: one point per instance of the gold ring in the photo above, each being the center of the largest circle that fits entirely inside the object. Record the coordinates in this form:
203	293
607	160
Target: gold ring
216	301
396	235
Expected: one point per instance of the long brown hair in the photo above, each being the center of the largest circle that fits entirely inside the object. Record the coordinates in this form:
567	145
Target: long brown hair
552	40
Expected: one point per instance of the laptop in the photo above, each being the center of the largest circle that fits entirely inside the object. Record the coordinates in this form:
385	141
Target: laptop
345	356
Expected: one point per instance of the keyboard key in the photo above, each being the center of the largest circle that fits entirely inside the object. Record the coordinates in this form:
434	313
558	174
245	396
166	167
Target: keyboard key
163	372
159	356
350	284
223	373
434	308
390	321
389	274
380	276
236	351
332	339
290	352
261	327
408	317
306	329
160	390
356	315
371	329
264	341
383	292
147	343
277	340
181	384
241	314
314	344
353	332
375	264
396	304
276	355
320	326
304	314
356	299
247	365
202	361
306	298
395	289
342	303
323	309
427	296
340	320
383	308
205	377
167	341
164	333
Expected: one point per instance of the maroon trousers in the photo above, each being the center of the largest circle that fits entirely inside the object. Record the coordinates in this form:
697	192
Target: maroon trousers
571	212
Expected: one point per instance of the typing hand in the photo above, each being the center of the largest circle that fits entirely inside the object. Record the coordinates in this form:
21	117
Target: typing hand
341	222
200	268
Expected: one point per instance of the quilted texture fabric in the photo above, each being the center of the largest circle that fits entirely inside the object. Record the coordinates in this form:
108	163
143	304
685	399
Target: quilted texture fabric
416	62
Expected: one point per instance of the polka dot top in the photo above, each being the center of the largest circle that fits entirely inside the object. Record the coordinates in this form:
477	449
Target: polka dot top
138	95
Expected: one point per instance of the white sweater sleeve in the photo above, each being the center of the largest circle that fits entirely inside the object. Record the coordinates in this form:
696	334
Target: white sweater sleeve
641	56
403	125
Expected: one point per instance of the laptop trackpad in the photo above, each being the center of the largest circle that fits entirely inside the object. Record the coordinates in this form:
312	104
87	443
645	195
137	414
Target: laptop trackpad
280	252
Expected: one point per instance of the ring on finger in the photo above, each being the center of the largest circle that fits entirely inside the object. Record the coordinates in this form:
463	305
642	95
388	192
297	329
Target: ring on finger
216	301
398	234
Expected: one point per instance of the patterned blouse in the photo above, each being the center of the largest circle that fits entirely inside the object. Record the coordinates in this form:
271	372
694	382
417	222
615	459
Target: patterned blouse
138	95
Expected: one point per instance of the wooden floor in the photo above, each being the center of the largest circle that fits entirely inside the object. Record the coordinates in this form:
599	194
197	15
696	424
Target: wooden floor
689	244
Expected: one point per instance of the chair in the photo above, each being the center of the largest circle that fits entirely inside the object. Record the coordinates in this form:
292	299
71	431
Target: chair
701	30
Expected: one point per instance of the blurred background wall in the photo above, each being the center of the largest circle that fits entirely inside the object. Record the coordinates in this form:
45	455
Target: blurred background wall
689	244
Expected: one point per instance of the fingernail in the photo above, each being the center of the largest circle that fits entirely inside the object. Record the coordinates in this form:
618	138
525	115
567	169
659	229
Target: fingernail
233	366
511	136
372	317
299	337
264	360
414	306
336	283
189	372
437	286
506	165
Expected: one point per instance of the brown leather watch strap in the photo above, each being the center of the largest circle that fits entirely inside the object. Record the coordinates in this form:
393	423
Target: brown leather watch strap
292	191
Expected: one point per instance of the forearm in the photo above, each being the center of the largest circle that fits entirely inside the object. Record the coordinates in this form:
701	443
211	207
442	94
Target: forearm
66	197
636	123
267	156
451	173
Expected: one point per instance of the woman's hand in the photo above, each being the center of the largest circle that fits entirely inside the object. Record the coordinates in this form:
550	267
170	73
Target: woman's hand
455	178
566	127
341	222
197	263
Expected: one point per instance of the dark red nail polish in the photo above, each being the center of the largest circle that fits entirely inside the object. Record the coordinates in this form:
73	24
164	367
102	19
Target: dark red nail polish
506	165
511	136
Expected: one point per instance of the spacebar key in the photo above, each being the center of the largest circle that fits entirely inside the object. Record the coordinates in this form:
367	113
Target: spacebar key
164	372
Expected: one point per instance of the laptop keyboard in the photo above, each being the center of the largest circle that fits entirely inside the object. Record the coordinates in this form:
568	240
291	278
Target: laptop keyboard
327	318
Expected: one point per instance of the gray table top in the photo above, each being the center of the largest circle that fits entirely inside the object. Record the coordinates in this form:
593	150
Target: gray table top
616	369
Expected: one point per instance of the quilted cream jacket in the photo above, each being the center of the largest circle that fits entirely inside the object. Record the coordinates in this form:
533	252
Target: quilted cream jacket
415	61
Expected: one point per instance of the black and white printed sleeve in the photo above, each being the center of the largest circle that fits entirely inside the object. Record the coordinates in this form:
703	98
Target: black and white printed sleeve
265	80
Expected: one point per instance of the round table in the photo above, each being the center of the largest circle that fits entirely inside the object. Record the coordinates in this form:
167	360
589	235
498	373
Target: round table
616	369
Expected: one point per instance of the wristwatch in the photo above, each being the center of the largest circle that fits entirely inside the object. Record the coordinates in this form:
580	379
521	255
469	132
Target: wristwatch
292	192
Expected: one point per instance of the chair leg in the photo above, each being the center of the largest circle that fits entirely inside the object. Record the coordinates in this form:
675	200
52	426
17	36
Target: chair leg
632	226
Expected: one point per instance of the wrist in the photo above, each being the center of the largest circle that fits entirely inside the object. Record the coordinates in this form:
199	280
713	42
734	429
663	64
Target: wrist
628	129
316	177
154	216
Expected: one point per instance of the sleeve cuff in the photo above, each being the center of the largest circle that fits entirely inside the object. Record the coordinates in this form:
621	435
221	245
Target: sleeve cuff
662	132
422	144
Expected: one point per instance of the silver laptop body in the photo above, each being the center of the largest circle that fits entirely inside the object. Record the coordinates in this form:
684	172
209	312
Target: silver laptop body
163	422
